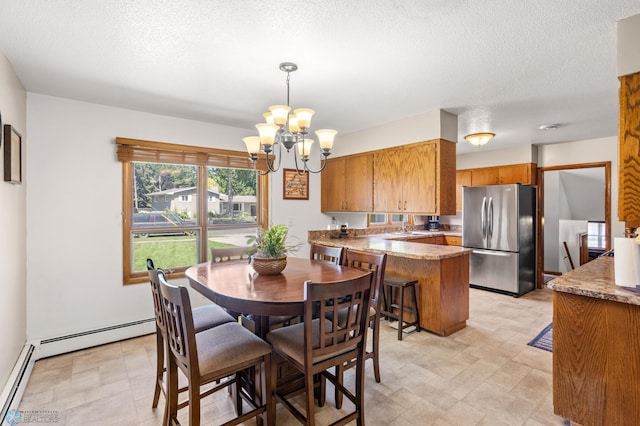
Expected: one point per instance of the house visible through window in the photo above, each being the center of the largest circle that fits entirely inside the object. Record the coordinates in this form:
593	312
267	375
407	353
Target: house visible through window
175	211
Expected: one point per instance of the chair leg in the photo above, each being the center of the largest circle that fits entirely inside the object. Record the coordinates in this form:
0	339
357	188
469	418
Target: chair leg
267	394
360	390
171	411
376	345
310	404
271	399
194	402
159	368
339	379
400	313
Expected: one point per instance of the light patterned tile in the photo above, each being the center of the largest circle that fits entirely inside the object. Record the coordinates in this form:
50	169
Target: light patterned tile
484	374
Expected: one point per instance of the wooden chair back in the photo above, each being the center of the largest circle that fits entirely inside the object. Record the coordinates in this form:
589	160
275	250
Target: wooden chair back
374	262
326	253
226	254
326	300
157	298
179	325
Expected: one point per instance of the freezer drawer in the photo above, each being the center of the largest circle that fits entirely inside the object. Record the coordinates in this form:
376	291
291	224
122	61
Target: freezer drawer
494	269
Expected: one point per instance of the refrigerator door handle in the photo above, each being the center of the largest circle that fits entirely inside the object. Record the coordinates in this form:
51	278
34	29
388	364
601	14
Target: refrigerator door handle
490	220
493	253
483	221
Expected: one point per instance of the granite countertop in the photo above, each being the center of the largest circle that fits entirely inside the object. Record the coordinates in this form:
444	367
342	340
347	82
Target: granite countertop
595	279
396	247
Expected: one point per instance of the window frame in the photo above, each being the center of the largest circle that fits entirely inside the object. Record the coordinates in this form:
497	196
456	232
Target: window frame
135	150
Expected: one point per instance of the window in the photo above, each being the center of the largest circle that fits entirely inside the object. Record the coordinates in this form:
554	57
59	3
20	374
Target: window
384	219
178	201
596	235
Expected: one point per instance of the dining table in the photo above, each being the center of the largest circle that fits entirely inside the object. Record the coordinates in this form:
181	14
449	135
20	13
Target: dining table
234	285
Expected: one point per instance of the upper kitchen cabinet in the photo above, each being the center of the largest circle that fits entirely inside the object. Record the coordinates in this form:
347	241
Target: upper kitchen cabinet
347	184
524	173
463	178
417	178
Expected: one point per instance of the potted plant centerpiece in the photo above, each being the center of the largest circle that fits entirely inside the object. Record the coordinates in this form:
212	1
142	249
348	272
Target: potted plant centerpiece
271	249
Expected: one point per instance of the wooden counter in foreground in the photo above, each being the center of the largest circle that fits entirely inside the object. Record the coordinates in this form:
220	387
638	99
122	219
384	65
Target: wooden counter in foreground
596	347
442	273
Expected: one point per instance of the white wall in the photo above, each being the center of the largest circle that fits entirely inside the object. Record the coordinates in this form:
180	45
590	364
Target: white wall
434	124
497	157
74	204
627	40
13	316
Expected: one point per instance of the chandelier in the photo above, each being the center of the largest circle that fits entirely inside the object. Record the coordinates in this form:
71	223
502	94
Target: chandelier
284	129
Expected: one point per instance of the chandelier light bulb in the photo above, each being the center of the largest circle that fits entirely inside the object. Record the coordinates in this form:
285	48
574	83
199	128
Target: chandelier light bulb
304	117
267	133
325	138
268	117
293	124
304	148
280	114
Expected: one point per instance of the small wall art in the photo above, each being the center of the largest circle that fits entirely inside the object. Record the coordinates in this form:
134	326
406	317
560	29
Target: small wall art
12	155
295	186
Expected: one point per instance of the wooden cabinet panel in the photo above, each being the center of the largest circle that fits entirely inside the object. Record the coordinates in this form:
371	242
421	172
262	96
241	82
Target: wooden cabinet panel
452	240
463	178
628	152
387	192
418	178
518	173
485	176
595	360
439	240
347	184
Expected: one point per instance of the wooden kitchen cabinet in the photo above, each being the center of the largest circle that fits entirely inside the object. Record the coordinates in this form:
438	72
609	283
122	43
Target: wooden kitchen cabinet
485	176
347	184
451	240
518	173
463	178
428	240
524	173
417	178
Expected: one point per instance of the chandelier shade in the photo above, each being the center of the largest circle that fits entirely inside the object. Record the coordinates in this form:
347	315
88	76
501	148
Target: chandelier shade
282	128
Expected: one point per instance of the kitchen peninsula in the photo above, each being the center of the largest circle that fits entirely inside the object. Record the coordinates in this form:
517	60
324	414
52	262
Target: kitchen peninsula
596	348
442	273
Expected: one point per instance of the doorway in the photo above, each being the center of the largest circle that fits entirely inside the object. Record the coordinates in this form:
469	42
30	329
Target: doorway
574	206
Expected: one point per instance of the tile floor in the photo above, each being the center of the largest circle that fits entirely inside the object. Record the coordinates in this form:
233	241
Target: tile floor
482	375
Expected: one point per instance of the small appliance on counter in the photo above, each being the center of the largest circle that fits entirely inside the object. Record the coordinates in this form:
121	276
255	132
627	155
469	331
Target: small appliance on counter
344	231
433	223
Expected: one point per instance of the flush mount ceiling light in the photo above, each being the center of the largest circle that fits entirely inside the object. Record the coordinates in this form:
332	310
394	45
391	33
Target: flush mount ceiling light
284	129
479	139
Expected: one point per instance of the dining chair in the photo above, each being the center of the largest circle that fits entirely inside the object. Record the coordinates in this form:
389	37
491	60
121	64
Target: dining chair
376	263
215	357
204	317
326	253
226	254
318	343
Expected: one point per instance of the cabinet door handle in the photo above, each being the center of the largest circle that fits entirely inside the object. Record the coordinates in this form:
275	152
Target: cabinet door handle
399	204
405	205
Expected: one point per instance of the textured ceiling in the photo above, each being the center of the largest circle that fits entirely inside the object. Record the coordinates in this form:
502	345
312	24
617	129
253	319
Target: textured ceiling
501	65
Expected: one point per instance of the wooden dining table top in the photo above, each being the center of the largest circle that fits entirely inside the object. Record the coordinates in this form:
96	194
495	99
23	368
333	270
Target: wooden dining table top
236	286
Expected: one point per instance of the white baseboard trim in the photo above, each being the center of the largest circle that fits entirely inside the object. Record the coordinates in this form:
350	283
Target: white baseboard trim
17	381
101	336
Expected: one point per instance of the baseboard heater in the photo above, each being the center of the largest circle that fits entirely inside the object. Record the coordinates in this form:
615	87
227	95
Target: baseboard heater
100	336
17	381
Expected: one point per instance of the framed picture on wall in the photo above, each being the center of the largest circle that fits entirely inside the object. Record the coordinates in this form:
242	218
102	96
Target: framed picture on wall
295	186
12	155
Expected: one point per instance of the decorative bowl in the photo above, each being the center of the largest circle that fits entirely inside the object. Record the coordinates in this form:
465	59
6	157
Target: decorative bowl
268	265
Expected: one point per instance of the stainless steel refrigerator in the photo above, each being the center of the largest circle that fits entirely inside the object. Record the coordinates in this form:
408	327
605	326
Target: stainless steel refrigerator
498	223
